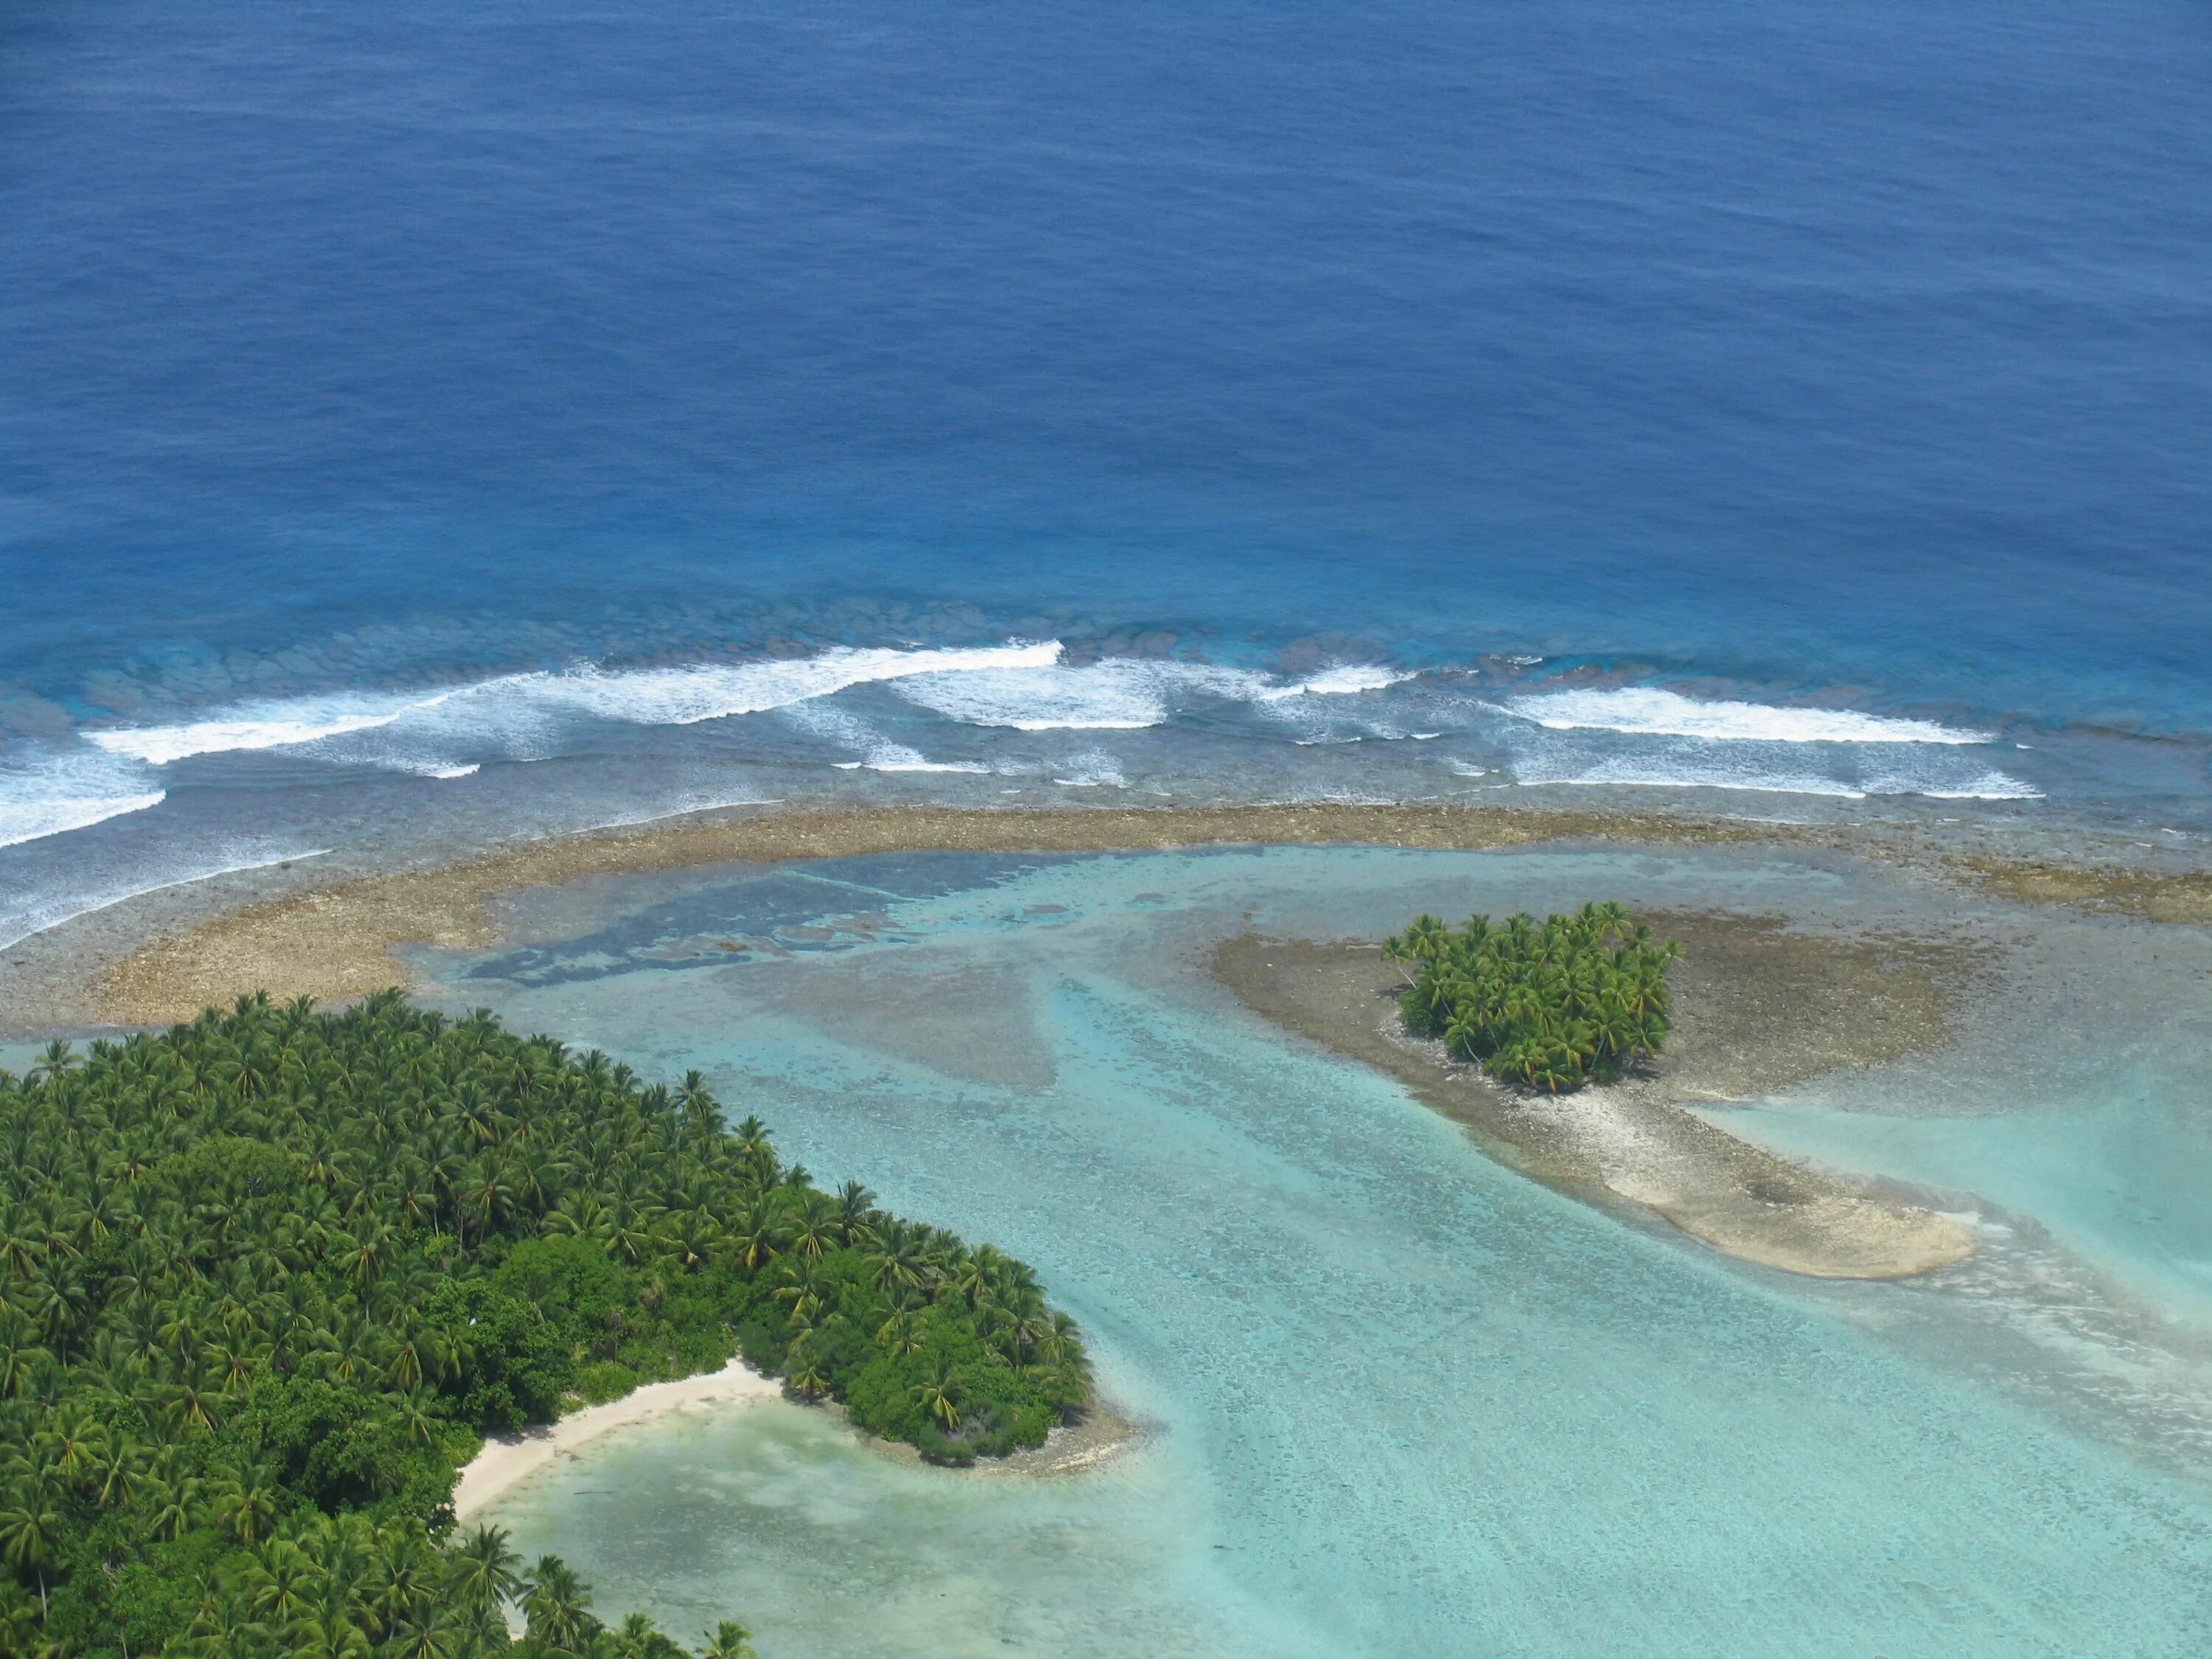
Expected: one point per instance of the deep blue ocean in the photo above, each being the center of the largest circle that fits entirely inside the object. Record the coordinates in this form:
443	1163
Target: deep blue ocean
1849	362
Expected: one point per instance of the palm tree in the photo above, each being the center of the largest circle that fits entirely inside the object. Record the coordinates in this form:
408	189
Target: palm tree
807	1377
814	1228
937	1396
694	1236
856	1213
756	1232
431	1635
57	1058
328	1632
280	1582
419	1416
903	1333
29	1523
172	1506
484	1567
245	1498
1426	938
72	1442
118	1474
486	1195
804	1286
728	1640
556	1604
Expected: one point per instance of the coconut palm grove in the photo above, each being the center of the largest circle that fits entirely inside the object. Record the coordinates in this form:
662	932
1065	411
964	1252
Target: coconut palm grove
267	1279
1571	1001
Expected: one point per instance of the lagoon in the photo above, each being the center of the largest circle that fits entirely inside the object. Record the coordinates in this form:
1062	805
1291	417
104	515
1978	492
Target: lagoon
1393	1398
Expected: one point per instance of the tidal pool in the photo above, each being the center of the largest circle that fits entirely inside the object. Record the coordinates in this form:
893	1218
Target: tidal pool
1395	1398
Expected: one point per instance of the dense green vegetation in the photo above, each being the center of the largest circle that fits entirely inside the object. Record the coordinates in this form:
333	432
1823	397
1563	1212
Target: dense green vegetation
1570	1001
265	1279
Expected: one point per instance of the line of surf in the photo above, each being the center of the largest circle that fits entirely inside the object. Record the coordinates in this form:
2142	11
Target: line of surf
681	695
1651	711
1993	787
1120	694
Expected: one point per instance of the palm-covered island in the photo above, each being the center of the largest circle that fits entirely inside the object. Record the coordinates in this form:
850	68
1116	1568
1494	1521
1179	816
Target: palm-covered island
1555	1005
266	1280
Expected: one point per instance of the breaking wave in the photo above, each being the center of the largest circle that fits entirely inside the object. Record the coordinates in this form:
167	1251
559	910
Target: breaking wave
50	796
1648	711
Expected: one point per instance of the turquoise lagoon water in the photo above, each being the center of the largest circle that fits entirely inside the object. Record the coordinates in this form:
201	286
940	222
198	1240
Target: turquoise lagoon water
1394	1398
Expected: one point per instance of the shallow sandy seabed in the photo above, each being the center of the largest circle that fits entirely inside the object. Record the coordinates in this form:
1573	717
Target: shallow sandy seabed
508	1458
339	941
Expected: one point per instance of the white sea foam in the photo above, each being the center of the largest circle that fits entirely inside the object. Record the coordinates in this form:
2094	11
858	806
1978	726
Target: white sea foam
896	758
880	753
51	793
682	807
1343	680
705	691
513	711
1651	711
262	726
1121	694
34	812
1629	777
1094	769
1020	684
1994	786
1677	769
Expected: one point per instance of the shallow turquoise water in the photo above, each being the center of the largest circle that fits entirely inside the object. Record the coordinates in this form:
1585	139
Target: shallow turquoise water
1396	1400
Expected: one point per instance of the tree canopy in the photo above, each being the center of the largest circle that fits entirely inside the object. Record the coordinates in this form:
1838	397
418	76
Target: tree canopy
1571	1001
267	1278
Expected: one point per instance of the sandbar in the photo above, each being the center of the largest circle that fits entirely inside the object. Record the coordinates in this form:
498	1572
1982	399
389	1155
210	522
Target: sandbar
1756	1008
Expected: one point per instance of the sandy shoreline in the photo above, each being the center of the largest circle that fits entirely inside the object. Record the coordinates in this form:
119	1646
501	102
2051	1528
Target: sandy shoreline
507	1459
338	940
1836	1003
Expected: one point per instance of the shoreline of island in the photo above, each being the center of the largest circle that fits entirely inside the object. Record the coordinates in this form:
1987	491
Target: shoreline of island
339	939
1632	1144
506	1460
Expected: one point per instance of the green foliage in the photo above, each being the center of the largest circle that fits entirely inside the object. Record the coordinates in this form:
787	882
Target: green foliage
1571	1001
265	1279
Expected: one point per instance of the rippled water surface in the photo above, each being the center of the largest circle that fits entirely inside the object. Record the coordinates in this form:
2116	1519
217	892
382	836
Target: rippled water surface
1393	1399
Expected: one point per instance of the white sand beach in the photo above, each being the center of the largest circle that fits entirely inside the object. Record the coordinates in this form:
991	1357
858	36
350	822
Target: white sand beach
505	1459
